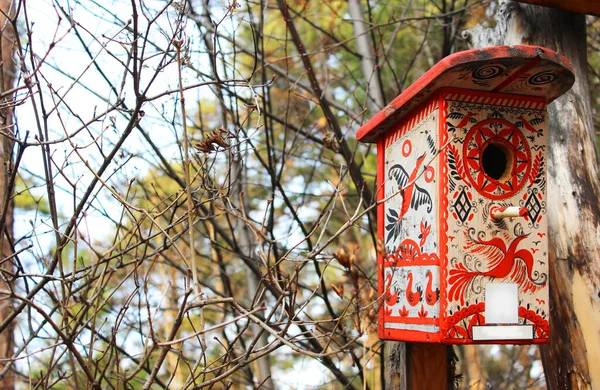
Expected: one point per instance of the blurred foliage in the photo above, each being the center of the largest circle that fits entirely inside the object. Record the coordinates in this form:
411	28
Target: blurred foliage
24	198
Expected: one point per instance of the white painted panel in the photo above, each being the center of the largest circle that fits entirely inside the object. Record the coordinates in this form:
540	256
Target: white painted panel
419	327
501	303
502	332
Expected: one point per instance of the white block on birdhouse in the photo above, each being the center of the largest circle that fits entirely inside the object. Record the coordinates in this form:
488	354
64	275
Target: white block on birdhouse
502	332
501	303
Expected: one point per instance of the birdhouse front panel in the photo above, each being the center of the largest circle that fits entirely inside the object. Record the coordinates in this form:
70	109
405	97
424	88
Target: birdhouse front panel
493	217
464	221
411	267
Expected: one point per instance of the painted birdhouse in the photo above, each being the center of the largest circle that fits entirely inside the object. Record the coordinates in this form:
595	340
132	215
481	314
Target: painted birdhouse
462	187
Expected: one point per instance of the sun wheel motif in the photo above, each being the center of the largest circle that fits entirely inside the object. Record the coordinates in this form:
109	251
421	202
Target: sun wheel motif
504	136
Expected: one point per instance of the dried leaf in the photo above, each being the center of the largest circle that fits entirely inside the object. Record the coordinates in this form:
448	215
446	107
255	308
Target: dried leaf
212	140
339	290
342	257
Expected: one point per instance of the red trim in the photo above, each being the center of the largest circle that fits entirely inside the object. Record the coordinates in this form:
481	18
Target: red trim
410	121
443	211
503	342
412	320
421	263
516	75
410	336
433	79
380	196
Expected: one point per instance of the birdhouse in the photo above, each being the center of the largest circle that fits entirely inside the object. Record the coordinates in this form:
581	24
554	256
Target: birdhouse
462	191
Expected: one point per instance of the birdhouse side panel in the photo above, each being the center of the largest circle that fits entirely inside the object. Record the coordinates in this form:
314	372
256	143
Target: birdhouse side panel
496	234
411	262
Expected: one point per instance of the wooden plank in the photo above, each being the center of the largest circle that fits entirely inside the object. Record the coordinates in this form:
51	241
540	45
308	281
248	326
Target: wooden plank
582	6
427	366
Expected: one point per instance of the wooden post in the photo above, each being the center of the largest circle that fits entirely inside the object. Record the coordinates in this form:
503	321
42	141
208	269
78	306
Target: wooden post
428	366
418	366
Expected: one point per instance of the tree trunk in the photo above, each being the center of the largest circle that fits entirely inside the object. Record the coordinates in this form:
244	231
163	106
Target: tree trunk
573	207
368	60
7	78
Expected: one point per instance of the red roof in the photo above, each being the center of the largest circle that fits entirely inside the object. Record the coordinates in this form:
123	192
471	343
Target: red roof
518	70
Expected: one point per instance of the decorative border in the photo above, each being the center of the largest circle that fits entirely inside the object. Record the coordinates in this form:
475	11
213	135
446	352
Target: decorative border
409	335
462	322
493	98
410	121
417	257
443	211
380	234
413	320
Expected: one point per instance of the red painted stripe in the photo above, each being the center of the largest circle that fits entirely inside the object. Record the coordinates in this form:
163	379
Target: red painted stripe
410	335
412	320
380	228
518	73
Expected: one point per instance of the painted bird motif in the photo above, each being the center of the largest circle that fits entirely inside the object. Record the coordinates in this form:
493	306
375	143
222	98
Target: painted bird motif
431	295
499	260
413	196
390	299
413	297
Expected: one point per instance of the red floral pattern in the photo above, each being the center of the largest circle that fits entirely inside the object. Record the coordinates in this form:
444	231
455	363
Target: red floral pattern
460	324
409	252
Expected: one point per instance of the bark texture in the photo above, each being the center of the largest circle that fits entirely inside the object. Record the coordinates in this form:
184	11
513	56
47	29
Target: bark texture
7	77
572	357
581	6
395	365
